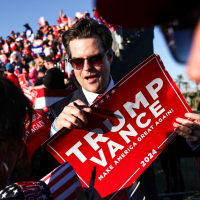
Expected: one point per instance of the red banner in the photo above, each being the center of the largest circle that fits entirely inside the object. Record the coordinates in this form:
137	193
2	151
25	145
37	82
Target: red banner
37	42
129	127
30	95
40	130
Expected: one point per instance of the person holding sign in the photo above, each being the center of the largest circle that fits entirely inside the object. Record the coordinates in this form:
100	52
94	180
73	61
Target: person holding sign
88	45
15	107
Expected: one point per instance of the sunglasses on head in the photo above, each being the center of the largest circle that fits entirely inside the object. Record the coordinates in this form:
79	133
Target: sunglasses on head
95	61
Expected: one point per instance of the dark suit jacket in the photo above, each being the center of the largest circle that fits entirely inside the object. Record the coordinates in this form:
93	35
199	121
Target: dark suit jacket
147	178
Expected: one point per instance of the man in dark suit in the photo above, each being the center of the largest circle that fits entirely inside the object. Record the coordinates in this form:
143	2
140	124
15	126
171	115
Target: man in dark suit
88	45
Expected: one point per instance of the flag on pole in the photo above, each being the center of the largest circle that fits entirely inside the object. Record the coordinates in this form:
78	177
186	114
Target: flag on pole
97	20
69	22
42	21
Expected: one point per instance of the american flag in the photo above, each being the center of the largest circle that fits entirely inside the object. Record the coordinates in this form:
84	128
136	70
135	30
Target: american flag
69	19
42	21
62	182
79	15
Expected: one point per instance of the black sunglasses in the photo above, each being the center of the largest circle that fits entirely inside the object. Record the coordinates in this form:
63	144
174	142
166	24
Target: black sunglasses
95	61
179	35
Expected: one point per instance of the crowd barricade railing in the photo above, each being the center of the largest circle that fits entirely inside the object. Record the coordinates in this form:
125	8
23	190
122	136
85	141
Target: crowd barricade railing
180	180
46	97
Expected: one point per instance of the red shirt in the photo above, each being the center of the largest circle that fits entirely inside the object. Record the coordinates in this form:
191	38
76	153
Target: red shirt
14	79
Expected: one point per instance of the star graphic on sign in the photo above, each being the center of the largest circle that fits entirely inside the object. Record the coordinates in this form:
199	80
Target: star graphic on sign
11	188
96	106
107	96
1	191
44	196
4	195
113	91
15	191
102	101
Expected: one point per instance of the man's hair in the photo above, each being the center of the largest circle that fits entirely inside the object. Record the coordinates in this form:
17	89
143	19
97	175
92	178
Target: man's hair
16	56
45	43
85	29
11	70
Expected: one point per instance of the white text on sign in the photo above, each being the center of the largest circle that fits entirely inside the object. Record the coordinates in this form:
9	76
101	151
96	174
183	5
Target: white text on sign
156	109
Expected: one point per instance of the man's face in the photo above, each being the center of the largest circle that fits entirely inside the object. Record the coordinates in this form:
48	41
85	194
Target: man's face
14	58
46	64
93	79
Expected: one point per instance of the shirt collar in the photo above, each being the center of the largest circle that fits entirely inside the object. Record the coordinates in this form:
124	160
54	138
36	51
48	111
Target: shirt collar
90	96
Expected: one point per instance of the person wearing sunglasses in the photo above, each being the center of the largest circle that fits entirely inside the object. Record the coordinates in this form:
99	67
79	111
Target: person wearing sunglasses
88	45
94	80
180	25
179	22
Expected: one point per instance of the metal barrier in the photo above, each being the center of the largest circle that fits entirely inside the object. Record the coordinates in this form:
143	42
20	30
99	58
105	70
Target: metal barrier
177	178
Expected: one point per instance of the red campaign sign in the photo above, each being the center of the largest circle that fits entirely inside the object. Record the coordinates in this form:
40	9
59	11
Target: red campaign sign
22	80
129	127
40	130
30	95
37	42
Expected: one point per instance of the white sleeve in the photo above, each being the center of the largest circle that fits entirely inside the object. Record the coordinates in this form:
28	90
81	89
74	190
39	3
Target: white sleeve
52	132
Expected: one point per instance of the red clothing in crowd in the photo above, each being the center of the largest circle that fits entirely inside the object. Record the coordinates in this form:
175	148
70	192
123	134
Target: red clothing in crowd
96	14
14	79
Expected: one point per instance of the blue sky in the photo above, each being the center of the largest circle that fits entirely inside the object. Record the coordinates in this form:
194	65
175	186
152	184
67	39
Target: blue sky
174	68
14	14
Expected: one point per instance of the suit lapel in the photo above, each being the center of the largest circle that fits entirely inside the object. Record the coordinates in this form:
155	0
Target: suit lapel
79	95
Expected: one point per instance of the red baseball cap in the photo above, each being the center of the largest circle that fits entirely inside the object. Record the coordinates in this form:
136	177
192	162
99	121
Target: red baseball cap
57	56
28	52
45	109
13	48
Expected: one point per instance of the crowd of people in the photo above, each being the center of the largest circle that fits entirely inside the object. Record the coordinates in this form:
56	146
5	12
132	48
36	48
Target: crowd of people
26	53
41	70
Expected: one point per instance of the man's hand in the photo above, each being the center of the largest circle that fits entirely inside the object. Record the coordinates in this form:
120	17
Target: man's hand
71	117
189	129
